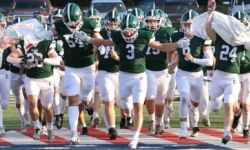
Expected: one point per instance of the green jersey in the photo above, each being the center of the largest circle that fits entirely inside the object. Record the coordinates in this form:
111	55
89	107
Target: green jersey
245	62
39	69
132	55
76	53
155	59
227	57
195	49
15	68
106	62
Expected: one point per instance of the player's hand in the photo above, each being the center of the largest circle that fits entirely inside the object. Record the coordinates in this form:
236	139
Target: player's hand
188	57
182	43
114	54
211	5
82	36
62	67
25	61
101	50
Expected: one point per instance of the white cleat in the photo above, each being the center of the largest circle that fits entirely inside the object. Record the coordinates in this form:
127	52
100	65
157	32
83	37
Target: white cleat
183	131
74	140
44	131
133	144
23	128
2	132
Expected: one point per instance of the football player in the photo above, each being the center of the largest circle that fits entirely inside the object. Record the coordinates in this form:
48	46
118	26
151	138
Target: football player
4	78
244	98
189	76
226	76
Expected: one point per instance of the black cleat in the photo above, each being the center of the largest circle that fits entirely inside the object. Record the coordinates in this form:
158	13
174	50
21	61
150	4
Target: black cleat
84	131
225	139
123	123
112	133
129	123
90	111
196	131
58	121
245	133
235	121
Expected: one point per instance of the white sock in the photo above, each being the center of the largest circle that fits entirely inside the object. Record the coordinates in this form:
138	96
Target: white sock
151	116
166	113
49	125
62	105
184	124
194	116
1	117
37	124
95	114
159	120
57	106
73	118
246	117
26	106
21	113
136	135
104	118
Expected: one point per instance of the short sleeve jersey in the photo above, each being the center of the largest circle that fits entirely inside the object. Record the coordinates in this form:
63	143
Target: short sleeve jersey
132	54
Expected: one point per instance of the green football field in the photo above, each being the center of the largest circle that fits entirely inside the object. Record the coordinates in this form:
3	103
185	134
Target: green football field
11	120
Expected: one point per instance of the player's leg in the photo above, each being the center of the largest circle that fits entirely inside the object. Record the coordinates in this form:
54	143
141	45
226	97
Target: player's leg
47	98
150	99
32	91
246	104
184	88
162	89
139	91
107	83
72	87
169	110
196	97
4	101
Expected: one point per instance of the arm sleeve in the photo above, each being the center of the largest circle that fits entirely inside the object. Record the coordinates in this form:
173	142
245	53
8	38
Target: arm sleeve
207	61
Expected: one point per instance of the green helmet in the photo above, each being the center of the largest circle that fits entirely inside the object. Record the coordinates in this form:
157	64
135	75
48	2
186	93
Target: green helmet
72	17
187	17
129	23
168	23
153	15
114	17
138	12
163	17
2	20
18	20
94	14
242	16
57	14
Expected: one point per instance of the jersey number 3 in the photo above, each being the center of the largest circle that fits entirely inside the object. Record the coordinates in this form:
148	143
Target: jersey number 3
131	51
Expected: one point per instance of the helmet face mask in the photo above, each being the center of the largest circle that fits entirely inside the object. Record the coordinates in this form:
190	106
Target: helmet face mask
129	28
112	21
72	17
153	20
186	22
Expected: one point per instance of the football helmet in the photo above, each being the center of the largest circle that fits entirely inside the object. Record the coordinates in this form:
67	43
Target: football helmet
18	20
112	20
168	23
151	16
94	14
242	17
129	28
138	12
186	21
163	17
57	15
3	23
72	17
